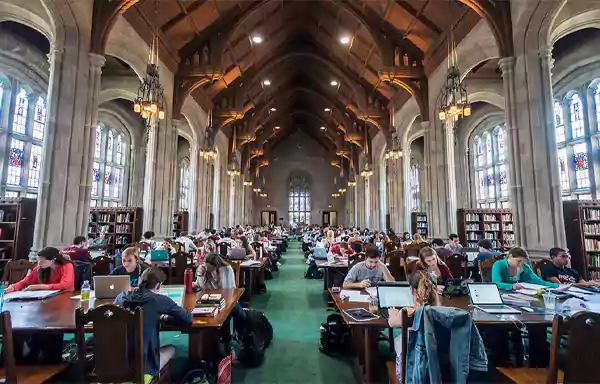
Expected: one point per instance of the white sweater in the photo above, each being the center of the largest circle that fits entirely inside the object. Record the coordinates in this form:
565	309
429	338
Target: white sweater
225	279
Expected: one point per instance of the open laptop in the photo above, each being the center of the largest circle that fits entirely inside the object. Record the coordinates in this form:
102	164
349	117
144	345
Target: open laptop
109	287
393	295
486	297
237	253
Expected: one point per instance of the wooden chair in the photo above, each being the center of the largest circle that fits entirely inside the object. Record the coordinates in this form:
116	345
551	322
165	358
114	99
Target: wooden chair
391	365
538	265
355	259
142	246
457	263
223	248
258	248
15	271
13	374
237	271
412	250
583	330
389	246
101	265
179	247
394	259
116	332
409	267
485	269
178	263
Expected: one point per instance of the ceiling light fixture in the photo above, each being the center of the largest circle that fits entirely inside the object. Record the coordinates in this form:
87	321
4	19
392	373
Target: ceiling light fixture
273	109
257	39
267	82
277	127
323	128
334	83
327	109
345	40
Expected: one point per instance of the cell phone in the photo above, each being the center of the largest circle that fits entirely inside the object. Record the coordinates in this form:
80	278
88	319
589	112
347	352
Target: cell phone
335	289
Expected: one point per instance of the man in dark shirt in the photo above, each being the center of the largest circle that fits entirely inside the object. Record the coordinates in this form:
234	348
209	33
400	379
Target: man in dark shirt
77	251
485	252
443	253
559	272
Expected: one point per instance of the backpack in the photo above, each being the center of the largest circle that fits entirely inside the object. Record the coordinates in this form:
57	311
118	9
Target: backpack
201	374
312	272
261	327
335	336
256	337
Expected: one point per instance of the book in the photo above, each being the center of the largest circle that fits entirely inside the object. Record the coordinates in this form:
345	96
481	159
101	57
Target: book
206	311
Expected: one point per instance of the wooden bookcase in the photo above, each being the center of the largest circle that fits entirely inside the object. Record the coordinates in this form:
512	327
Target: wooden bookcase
123	225
17	220
582	227
180	222
495	225
419	224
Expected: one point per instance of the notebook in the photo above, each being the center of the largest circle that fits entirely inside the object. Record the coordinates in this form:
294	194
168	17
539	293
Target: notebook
29	295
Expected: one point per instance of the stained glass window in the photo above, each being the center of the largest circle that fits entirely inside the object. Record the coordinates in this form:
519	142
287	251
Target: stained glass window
559	122
39	120
107	180
98	142
119	154
1	96
562	169
108	171
415	188
184	186
95	178
35	166
597	105
16	157
299	197
492	174
580	158
576	113
20	117
109	146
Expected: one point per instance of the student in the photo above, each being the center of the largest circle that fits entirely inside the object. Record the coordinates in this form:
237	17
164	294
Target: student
430	263
53	272
131	265
424	292
485	252
559	271
155	307
99	242
77	251
250	252
508	273
227	238
367	273
148	238
417	239
439	247
188	244
454	244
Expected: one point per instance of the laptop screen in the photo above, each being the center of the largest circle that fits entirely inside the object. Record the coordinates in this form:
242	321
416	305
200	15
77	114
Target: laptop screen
471	255
394	296
485	294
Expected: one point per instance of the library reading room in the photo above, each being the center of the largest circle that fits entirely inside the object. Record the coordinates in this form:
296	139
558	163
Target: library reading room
299	191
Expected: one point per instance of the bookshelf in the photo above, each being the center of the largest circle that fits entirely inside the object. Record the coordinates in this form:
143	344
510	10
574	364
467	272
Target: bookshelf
419	224
17	220
495	225
180	222
582	228
123	225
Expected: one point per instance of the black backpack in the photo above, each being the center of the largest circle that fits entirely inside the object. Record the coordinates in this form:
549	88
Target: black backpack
335	336
312	272
256	337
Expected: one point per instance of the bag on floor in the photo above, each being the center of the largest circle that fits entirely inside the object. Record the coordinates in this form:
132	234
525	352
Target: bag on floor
256	337
312	272
335	336
201	374
261	327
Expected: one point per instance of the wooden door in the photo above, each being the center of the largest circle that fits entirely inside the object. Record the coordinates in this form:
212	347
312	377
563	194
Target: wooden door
330	218
268	218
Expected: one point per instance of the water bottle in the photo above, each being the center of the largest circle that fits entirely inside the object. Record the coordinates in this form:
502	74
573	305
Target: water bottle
188	279
85	291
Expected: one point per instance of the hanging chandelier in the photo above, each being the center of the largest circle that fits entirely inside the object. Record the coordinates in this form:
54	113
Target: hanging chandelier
454	101
149	101
257	188
367	170
342	188
335	195
351	175
233	167
394	153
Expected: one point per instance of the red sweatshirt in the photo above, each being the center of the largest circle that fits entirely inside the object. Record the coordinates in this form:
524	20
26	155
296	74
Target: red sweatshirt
62	278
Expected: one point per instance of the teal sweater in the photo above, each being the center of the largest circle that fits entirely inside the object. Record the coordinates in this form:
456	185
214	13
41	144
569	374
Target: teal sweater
501	276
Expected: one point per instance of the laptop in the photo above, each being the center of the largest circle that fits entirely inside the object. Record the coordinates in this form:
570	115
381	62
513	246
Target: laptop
486	297
159	255
395	294
237	253
109	287
319	254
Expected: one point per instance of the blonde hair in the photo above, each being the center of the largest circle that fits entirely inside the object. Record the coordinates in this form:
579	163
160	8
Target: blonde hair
424	290
131	251
427	252
330	234
417	238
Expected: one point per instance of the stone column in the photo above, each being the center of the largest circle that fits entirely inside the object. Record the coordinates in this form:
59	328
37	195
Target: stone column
407	202
194	191
534	178
450	162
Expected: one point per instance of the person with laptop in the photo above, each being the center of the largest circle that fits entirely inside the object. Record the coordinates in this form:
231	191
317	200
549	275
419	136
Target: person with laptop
486	252
510	272
560	272
155	308
130	265
440	248
53	272
369	272
188	244
454	244
430	263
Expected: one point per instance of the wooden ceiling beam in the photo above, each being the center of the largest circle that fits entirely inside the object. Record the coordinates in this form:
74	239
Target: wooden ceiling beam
417	15
183	15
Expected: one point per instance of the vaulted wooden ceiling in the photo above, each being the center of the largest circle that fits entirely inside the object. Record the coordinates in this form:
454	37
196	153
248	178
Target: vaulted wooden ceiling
393	45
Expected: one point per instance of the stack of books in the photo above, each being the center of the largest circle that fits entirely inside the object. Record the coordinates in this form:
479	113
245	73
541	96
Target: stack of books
210	304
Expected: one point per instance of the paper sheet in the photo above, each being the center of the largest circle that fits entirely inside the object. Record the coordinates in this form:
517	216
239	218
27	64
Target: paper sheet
354	296
372	291
29	295
532	286
250	262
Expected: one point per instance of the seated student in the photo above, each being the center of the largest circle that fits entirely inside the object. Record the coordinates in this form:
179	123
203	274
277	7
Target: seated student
369	272
430	263
131	265
148	238
417	239
485	252
424	292
99	242
188	244
454	244
250	252
560	272
77	251
339	250
53	272
508	273
155	307
440	248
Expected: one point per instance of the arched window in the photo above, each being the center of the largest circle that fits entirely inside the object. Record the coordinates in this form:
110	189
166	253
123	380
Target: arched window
491	169
299	198
415	188
184	186
27	123
597	105
108	169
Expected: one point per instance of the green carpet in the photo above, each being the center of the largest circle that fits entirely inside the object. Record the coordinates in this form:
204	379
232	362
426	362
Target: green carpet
295	307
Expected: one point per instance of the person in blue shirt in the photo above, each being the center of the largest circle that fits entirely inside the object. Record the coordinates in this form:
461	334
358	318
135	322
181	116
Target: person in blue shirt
485	252
509	273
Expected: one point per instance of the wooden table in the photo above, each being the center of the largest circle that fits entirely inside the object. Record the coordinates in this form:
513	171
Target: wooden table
330	270
365	334
250	273
57	314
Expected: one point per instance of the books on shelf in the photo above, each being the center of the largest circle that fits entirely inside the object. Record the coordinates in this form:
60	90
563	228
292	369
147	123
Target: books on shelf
591	214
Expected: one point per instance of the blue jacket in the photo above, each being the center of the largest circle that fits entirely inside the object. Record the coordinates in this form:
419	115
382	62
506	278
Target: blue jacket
443	334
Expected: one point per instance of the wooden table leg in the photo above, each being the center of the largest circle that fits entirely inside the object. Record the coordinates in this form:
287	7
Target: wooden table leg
371	355
203	344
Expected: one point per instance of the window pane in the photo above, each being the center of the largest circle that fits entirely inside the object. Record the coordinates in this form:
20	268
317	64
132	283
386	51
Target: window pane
488	149
109	146
1	96
500	144
35	165
31	195
503	181
117	184
108	178
490	183
415	188
559	122
580	158
596	105
40	119
98	142
481	183
15	162
95	178
20	117
576	113
562	169
478	151
11	194
119	158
